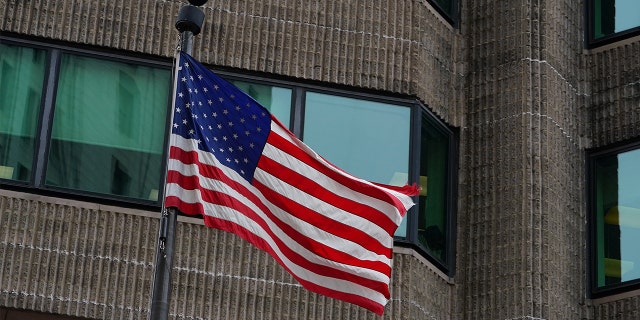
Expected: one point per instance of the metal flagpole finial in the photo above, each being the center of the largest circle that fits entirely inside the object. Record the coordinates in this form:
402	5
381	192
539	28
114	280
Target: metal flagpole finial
190	17
189	23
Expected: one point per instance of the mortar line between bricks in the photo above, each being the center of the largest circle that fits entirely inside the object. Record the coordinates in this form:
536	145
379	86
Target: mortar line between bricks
415	304
492	122
67	299
220	274
74	253
558	73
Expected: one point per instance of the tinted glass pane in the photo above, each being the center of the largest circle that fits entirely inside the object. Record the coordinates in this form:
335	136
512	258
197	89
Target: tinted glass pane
447	6
432	218
108	128
276	99
21	81
611	16
618	218
367	139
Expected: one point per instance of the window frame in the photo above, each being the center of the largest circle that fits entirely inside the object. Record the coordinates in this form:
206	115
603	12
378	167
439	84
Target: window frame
411	241
591	40
595	291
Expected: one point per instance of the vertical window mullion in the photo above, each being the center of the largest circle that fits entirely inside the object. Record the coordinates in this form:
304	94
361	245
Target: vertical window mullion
297	111
48	102
452	167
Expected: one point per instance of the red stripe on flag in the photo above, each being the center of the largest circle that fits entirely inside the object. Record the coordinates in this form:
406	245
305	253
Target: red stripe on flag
316	190
218	198
321	222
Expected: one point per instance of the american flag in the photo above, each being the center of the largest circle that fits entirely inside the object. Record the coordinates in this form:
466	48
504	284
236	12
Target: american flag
236	165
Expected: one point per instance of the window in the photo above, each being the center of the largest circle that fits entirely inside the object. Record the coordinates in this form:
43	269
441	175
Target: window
372	140
610	20
108	127
84	123
367	139
433	218
106	118
21	78
615	217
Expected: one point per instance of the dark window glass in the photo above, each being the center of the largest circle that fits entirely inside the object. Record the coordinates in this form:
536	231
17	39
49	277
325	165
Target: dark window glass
448	6
616	198
432	218
21	82
276	99
108	128
614	16
367	139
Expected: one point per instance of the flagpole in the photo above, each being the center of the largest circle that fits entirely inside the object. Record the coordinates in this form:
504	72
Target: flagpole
189	23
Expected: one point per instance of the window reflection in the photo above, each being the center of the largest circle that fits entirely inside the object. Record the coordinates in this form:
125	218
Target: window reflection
432	218
108	128
617	199
21	79
367	139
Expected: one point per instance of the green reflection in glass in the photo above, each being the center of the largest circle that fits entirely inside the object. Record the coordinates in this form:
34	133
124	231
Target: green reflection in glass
618	218
109	127
367	139
276	99
446	5
21	81
432	218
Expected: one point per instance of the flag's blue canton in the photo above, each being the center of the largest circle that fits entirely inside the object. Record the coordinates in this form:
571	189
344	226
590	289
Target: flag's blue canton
222	119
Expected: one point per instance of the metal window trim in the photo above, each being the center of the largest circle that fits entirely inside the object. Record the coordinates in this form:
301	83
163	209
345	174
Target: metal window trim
46	117
452	182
